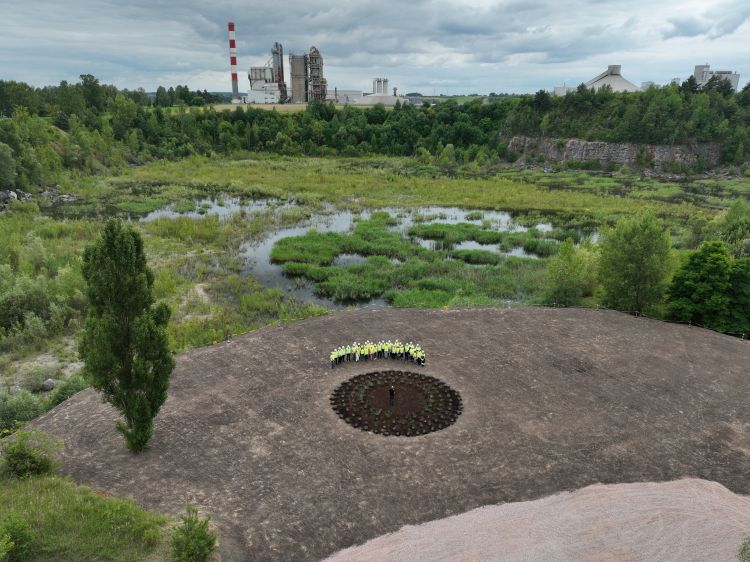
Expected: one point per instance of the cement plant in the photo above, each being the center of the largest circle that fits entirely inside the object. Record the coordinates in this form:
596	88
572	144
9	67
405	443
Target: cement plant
267	83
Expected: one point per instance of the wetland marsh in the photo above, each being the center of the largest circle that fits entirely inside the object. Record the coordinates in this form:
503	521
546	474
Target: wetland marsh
239	243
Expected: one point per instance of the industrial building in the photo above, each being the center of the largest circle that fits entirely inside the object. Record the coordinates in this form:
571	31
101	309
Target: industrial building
380	85
611	77
415	98
703	74
380	95
308	81
263	87
298	66
344	96
267	82
317	86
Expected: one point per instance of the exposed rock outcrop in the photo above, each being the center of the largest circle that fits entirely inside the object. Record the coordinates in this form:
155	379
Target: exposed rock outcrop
6	197
49	384
660	157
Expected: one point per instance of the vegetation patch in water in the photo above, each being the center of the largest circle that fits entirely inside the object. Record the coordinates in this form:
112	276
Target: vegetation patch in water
477	257
419	277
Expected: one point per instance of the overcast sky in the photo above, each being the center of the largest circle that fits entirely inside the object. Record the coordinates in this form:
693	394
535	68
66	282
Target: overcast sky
440	46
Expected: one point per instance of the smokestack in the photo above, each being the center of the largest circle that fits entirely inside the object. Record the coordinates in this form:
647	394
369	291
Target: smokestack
233	62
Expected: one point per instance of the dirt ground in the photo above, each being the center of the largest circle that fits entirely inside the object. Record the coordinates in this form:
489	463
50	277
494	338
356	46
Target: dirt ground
681	521
554	400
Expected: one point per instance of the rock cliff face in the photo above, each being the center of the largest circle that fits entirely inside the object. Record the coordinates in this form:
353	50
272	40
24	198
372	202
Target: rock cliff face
621	154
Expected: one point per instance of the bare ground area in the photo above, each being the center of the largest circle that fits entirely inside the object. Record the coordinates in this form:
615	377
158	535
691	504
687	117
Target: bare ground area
685	520
554	400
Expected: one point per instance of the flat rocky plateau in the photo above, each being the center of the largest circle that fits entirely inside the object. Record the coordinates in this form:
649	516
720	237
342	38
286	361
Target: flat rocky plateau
554	400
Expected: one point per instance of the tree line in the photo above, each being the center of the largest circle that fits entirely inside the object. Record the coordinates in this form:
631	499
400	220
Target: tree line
635	269
89	126
88	98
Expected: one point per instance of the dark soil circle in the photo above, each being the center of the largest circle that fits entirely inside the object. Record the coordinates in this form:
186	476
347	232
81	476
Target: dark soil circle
420	403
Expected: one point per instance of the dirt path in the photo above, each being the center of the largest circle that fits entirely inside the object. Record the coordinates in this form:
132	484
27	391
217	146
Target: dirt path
686	520
554	400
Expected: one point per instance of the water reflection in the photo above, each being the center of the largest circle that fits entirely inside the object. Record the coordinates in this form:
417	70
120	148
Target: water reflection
257	254
223	207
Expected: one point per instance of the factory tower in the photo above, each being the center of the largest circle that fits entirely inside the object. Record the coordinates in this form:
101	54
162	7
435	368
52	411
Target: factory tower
277	56
233	62
299	72
308	82
318	86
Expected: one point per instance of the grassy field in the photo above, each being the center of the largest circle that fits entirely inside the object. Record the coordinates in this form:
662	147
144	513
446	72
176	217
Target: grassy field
377	182
71	522
701	192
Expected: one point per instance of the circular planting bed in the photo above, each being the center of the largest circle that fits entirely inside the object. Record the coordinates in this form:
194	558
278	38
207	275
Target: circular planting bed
396	403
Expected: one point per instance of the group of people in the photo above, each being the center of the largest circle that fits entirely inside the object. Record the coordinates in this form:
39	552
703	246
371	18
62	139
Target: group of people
370	351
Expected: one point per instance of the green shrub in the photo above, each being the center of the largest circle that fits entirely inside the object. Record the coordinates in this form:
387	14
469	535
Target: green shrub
745	550
571	275
67	388
19	533
193	541
29	452
25	297
33	378
18	408
6	545
151	536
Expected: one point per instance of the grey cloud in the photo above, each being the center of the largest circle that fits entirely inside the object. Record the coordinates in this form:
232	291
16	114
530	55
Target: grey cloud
717	21
422	43
733	17
686	27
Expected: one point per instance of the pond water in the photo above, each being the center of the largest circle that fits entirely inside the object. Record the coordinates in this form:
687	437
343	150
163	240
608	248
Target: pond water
257	254
471	245
343	260
223	207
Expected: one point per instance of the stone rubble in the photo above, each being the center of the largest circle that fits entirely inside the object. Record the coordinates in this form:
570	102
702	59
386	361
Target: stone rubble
12	195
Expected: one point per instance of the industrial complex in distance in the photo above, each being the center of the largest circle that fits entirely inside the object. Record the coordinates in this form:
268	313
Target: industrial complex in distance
308	82
613	78
268	82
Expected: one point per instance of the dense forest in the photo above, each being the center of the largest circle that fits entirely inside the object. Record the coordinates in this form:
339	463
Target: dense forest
88	126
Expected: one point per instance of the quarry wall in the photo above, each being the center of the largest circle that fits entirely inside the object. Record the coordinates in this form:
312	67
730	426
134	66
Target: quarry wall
660	157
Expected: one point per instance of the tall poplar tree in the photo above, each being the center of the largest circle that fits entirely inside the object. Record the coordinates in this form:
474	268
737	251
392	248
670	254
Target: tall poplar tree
124	342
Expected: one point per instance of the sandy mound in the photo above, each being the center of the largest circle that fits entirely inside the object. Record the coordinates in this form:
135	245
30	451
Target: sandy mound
682	520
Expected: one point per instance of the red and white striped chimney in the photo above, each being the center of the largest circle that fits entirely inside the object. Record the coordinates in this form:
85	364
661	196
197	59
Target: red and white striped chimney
233	62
